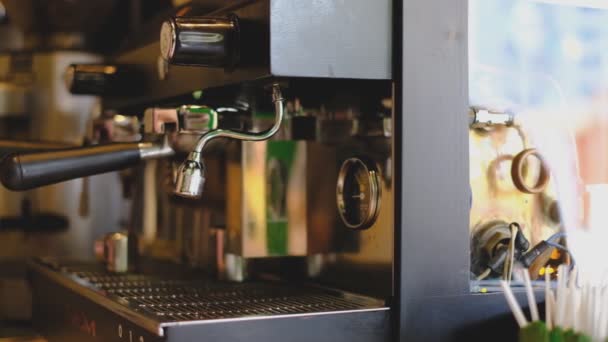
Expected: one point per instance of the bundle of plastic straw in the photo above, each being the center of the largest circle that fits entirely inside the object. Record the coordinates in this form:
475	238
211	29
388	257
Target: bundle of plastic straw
573	312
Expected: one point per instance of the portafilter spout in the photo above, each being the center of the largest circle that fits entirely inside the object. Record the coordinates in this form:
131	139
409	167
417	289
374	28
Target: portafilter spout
191	173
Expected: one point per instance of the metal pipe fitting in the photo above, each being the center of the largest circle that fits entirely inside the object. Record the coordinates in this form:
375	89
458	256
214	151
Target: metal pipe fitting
484	118
191	173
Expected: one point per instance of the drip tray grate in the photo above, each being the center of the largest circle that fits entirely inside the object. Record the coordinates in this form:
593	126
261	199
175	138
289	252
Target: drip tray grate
169	301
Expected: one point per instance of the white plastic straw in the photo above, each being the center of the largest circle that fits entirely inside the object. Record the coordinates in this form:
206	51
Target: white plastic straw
530	295
568	317
551	312
558	294
515	308
572	306
575	309
604	315
595	313
548	299
582	307
562	276
597	329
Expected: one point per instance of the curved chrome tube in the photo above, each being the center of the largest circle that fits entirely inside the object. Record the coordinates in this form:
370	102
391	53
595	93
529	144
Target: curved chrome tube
191	174
277	98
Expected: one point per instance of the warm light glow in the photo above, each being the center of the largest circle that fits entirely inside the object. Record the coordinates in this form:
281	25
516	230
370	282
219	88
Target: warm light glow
555	254
109	69
572	48
544	270
120	118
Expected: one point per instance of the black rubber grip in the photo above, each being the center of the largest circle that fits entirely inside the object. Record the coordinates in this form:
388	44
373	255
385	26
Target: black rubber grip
20	172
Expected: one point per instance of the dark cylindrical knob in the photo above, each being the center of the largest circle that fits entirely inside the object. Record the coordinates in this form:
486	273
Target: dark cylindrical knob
113	250
101	79
200	41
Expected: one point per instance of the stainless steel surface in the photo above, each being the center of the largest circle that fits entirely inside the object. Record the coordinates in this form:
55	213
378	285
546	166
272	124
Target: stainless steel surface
328	38
156	301
191	174
149	150
280	199
190	178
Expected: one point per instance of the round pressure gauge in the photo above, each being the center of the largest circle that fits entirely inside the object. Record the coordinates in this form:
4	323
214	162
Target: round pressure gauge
358	193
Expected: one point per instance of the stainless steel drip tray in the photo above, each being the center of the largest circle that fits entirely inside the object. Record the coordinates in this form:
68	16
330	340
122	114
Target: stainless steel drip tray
155	302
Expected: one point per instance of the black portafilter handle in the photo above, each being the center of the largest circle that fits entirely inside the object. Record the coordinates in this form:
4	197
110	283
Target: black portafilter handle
19	172
8	147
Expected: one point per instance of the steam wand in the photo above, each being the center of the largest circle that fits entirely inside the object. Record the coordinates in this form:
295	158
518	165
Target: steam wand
191	173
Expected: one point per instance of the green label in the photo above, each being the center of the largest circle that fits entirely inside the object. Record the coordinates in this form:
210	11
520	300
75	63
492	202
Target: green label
279	162
199	118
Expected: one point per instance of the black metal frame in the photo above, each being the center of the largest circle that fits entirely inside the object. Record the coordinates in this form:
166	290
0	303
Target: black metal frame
433	299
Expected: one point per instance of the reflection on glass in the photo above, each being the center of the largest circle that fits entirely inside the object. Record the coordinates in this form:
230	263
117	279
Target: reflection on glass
547	62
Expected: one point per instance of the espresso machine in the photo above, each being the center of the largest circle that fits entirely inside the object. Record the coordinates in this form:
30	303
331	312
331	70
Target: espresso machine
258	173
274	170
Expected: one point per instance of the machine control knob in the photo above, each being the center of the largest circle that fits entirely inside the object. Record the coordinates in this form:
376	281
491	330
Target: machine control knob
113	250
102	79
200	41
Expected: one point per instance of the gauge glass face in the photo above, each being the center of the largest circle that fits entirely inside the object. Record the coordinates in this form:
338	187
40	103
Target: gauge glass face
358	194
